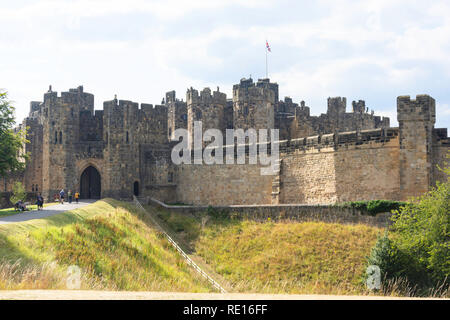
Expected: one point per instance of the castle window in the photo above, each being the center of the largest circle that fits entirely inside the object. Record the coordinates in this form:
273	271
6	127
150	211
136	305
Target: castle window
245	110
36	188
170	132
56	137
60	137
107	138
32	188
198	114
170	177
127	139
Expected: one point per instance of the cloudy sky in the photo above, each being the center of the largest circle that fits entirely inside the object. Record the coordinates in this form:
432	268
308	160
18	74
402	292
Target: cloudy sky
371	50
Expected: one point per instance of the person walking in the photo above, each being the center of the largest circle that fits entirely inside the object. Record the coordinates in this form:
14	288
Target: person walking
69	195
77	195
61	196
40	202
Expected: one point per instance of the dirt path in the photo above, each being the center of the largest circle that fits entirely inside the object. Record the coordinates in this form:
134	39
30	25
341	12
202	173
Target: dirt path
127	295
48	211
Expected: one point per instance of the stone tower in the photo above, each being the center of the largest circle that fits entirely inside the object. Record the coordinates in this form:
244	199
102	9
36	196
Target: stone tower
254	105
416	120
61	130
336	112
176	114
206	107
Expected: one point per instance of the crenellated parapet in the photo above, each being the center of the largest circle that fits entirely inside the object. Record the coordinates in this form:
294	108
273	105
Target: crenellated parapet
207	107
301	124
254	104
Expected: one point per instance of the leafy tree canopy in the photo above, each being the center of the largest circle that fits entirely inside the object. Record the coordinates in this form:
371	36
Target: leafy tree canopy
11	143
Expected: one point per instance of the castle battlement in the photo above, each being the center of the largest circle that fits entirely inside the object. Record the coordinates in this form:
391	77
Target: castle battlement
205	97
261	91
317	143
421	108
125	148
74	96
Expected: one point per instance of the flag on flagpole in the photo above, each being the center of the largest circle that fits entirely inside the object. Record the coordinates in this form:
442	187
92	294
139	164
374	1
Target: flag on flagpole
267	46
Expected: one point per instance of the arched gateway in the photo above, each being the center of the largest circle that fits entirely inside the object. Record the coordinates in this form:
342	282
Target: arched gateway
90	184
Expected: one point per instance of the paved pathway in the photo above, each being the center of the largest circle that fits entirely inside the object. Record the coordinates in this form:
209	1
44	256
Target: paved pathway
48	211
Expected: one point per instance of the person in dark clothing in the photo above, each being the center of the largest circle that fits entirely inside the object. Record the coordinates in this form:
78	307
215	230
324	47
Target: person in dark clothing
61	196
40	202
20	206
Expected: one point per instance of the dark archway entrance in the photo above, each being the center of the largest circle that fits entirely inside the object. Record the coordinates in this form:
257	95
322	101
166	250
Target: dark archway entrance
136	188
90	184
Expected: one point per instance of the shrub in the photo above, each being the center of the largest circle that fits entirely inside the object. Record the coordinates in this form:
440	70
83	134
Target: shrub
418	246
388	258
377	206
373	207
18	193
423	231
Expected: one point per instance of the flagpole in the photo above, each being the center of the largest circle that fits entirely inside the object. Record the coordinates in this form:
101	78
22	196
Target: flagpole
267	72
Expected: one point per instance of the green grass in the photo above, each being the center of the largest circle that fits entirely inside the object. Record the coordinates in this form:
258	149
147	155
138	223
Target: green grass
112	242
10	211
279	257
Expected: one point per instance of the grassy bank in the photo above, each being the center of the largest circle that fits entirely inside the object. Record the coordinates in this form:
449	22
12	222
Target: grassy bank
113	244
278	257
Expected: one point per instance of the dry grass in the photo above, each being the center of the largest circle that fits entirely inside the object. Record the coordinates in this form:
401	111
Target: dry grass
48	275
279	257
286	257
113	244
400	287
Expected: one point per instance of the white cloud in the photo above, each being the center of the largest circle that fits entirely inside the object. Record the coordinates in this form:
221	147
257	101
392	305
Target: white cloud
372	48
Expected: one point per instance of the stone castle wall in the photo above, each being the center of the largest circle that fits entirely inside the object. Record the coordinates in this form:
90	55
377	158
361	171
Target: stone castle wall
313	170
440	155
326	172
223	184
128	145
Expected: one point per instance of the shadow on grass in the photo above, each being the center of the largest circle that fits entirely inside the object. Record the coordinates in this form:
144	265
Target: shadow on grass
11	252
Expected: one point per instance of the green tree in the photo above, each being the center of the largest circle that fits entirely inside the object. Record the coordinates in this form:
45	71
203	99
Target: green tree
11	143
422	230
417	247
18	193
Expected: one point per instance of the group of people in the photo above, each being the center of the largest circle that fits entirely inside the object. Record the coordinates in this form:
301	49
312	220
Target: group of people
62	194
22	206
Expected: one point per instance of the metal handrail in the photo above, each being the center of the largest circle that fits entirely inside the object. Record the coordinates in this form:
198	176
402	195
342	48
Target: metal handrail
189	261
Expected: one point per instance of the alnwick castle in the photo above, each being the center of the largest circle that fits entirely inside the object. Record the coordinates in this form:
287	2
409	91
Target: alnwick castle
125	149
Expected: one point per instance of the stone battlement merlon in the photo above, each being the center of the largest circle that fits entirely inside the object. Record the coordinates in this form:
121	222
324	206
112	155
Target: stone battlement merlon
262	90
336	105
337	140
422	108
205	97
142	111
73	96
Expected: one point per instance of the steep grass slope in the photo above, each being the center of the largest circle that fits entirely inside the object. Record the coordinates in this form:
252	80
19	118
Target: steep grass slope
111	242
278	257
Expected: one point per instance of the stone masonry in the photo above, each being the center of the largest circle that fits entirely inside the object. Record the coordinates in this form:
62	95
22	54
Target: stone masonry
125	148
